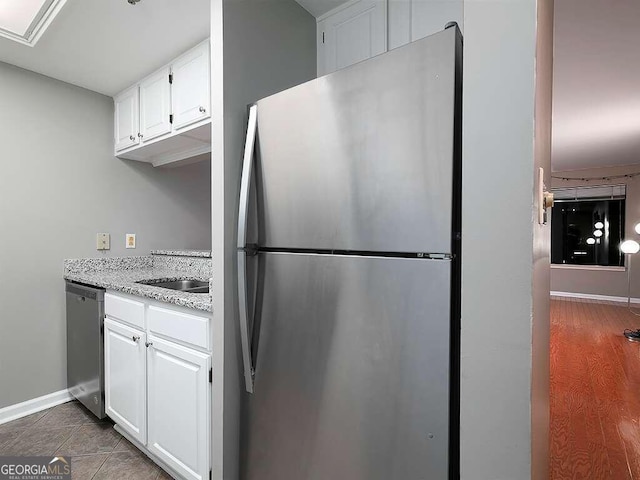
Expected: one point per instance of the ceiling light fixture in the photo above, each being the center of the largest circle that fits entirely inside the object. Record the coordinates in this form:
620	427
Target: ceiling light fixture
599	225
591	241
597	233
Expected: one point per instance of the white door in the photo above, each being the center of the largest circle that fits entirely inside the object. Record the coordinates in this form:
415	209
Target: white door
351	35
179	404
127	120
155	105
191	96
125	377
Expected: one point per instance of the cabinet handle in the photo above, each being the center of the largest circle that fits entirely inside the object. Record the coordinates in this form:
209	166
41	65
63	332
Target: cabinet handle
148	344
135	338
132	138
140	135
202	109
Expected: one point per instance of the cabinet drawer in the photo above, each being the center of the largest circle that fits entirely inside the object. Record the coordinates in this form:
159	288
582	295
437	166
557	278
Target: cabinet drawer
190	329
124	309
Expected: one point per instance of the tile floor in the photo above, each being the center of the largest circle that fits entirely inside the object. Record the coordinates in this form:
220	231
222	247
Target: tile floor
96	450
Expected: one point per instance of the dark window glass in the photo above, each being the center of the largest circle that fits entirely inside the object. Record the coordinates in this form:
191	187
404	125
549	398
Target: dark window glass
574	232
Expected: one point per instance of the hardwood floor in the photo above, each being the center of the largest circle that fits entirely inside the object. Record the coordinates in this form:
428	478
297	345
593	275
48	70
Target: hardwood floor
595	392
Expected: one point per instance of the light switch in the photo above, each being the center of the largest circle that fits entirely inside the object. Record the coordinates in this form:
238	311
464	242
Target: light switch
130	240
103	241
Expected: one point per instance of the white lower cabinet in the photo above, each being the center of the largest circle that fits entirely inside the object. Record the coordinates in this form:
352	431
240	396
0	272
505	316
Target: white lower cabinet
125	377
179	398
158	385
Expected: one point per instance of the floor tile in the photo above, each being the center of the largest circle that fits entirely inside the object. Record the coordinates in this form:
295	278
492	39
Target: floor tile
96	450
89	439
67	415
9	436
164	475
125	446
38	441
127	466
85	467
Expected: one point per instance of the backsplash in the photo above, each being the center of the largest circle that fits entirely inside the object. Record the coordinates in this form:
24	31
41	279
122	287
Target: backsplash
201	265
82	265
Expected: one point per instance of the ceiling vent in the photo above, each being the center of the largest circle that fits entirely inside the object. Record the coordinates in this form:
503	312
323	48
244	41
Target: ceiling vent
24	21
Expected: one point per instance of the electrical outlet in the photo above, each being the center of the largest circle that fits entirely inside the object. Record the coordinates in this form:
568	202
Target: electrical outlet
103	241
130	240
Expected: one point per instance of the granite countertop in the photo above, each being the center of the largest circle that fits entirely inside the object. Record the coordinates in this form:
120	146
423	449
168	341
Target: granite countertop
121	274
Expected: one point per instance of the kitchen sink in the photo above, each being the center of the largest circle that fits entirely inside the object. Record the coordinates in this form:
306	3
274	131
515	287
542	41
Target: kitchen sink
191	286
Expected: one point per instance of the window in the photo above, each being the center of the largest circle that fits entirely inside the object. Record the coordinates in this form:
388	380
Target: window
587	226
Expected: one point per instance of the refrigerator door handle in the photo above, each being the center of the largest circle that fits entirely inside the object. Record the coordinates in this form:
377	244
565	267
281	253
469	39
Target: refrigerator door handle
247	171
243	218
243	313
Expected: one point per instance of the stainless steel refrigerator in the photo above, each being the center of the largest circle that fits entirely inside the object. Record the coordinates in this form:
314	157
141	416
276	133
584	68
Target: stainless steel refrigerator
349	272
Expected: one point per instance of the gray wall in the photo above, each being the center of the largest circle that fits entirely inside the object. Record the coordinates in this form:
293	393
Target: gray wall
260	47
59	185
602	281
504	255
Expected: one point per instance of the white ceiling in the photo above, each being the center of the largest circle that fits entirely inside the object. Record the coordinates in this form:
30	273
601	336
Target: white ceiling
317	8
107	45
596	113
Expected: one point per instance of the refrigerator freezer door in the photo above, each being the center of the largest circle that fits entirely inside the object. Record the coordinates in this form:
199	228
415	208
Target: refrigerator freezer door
363	159
352	371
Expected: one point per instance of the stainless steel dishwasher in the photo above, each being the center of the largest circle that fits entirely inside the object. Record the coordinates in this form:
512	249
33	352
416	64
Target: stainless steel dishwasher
85	359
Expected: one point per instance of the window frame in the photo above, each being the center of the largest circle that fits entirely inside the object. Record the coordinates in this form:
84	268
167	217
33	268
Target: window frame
586	193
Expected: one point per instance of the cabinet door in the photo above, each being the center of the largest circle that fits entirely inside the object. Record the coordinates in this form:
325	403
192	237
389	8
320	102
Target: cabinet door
179	405
127	119
411	20
351	35
125	377
155	105
191	87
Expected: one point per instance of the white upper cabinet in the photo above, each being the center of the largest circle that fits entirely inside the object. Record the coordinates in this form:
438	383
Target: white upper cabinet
166	117
126	119
411	20
155	105
363	28
191	87
352	34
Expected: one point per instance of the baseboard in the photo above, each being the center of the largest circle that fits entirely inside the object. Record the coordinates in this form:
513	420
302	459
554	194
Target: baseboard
19	410
590	296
